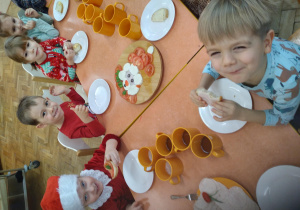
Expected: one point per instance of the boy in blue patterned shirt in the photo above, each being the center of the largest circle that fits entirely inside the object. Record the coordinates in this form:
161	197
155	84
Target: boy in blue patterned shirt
242	47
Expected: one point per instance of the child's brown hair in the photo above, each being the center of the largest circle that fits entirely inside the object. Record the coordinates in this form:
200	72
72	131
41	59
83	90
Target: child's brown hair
13	43
227	18
23	112
3	33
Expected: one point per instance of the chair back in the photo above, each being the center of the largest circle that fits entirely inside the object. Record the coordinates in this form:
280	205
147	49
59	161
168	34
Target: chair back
35	73
73	144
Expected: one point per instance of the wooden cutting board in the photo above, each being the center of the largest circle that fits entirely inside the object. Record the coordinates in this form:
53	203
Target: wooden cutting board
150	84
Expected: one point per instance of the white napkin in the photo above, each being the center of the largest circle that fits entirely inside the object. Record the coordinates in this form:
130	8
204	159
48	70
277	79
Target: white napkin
232	199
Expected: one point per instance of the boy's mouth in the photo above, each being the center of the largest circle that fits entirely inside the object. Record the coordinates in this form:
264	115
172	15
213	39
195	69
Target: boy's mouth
236	71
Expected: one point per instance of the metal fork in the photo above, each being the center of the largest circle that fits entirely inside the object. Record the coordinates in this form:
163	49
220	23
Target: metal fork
190	197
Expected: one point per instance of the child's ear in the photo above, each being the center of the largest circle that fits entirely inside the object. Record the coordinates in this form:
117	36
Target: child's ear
40	125
268	41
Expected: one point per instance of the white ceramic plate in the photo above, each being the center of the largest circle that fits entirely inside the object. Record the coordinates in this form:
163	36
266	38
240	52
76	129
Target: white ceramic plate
231	91
57	15
154	31
136	178
81	38
279	188
99	96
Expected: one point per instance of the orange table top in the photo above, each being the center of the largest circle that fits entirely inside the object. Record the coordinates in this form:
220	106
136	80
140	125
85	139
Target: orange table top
249	152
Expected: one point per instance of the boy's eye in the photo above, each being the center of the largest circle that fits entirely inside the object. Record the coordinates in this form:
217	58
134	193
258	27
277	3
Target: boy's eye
25	54
14	29
85	197
82	184
27	44
44	113
46	103
14	21
239	47
214	53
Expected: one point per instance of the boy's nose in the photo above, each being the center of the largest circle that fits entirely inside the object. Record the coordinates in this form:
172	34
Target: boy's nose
228	59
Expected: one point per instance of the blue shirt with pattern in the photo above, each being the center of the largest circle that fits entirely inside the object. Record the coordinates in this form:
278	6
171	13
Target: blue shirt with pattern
280	83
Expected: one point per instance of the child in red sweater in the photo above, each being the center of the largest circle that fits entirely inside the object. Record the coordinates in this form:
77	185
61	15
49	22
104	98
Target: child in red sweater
94	187
72	118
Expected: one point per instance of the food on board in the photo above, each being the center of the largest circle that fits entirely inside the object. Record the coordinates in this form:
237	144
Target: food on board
77	47
112	169
160	15
59	7
208	96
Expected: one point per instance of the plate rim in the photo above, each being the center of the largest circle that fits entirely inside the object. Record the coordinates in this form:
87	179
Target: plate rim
203	110
269	176
59	17
84	35
91	97
143	18
151	174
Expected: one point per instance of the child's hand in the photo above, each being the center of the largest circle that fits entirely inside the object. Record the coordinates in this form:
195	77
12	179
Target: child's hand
30	25
58	90
111	154
136	205
32	13
83	113
68	45
197	99
227	110
70	54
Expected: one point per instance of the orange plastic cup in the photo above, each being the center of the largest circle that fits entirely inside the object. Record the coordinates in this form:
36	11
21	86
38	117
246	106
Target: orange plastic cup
130	29
81	11
113	14
164	145
205	145
102	27
147	157
91	12
168	168
182	138
94	2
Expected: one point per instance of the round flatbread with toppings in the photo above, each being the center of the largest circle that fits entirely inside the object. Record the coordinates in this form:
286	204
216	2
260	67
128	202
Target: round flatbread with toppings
112	168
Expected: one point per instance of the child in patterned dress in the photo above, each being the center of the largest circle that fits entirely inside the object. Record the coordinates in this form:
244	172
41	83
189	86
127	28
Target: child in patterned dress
241	45
54	57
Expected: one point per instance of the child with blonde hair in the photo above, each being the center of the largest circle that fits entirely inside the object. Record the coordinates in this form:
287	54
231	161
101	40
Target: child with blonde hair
30	23
54	57
241	45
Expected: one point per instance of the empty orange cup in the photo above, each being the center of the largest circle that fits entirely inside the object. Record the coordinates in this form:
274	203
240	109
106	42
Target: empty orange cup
113	14
91	12
94	2
102	27
168	168
147	157
130	29
81	11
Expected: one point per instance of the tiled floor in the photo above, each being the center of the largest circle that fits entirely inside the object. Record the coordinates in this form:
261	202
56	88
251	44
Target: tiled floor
19	144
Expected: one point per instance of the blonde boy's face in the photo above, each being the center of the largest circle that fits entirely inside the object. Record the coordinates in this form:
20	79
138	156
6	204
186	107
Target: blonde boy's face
13	26
46	112
242	59
89	189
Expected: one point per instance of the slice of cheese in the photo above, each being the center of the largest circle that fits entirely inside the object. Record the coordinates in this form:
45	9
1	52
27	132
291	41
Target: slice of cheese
59	7
160	15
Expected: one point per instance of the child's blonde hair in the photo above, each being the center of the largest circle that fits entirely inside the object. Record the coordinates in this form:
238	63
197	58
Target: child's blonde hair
13	43
23	112
227	18
3	33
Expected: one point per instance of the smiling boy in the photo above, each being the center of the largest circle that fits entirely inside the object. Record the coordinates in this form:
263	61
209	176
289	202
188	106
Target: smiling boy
72	118
242	47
